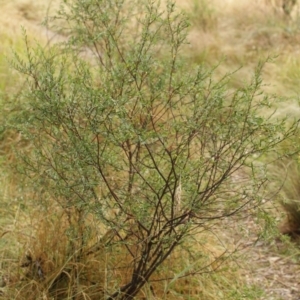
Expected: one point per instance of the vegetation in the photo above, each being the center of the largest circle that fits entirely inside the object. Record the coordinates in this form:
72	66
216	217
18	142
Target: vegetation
129	160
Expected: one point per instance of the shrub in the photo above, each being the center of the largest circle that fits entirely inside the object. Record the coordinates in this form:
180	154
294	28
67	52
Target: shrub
136	151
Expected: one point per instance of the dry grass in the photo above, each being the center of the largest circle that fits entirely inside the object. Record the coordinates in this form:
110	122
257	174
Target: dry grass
52	265
242	32
287	172
51	260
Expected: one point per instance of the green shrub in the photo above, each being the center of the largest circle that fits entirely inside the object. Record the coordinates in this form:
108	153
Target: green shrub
133	152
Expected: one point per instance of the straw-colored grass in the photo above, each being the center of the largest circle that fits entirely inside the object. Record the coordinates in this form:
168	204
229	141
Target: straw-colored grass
49	268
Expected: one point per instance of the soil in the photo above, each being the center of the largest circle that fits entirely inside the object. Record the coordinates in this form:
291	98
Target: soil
271	265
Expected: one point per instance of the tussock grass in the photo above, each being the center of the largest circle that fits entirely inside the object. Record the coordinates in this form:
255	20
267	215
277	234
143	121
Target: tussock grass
285	186
289	173
49	264
53	264
290	72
